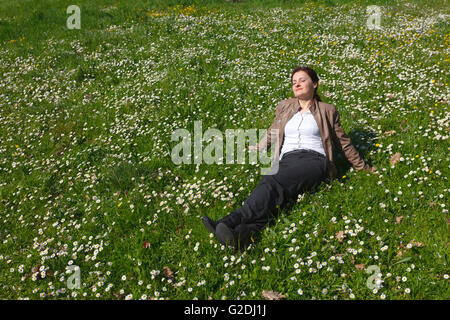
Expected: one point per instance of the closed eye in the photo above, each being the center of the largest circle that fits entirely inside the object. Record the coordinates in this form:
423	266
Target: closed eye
294	83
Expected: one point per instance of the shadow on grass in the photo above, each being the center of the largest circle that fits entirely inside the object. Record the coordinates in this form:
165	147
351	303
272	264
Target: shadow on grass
361	140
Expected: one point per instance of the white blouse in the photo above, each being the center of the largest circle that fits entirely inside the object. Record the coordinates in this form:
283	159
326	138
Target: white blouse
302	132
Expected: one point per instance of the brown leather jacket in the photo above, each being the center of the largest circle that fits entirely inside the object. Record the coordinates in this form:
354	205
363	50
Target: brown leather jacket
327	118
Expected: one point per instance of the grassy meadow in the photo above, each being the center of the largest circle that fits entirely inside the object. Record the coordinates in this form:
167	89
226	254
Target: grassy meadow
87	179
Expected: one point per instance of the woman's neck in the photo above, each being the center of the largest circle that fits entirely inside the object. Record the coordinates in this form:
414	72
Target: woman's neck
305	103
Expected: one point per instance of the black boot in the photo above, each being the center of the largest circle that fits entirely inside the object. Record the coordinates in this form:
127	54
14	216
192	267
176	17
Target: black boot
231	220
225	235
243	233
237	238
209	224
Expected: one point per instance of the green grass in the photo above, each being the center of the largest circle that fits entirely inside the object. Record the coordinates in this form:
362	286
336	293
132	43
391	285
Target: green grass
86	176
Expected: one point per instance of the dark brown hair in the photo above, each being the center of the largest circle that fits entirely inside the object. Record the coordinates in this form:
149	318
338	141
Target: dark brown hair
313	76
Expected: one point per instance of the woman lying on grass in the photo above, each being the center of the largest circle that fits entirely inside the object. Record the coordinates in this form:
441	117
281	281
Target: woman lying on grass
307	128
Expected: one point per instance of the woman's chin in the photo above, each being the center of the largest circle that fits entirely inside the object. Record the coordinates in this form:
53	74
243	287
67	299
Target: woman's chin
303	96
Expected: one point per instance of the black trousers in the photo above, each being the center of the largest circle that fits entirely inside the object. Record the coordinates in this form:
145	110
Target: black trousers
299	171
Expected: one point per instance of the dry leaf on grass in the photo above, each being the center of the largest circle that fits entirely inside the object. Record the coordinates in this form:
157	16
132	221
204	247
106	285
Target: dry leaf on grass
398	219
360	266
272	295
340	235
36	269
395	158
417	244
168	273
389	133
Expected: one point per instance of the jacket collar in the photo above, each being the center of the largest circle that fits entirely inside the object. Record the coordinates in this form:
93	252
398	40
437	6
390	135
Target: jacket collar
295	105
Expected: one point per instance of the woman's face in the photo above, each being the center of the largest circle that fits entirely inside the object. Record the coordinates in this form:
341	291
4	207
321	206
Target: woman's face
303	86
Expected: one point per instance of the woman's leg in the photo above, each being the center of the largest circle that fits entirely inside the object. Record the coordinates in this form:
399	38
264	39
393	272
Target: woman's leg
298	172
259	205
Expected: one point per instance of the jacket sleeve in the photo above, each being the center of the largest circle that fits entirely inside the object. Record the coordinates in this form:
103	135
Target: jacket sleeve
266	141
343	143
